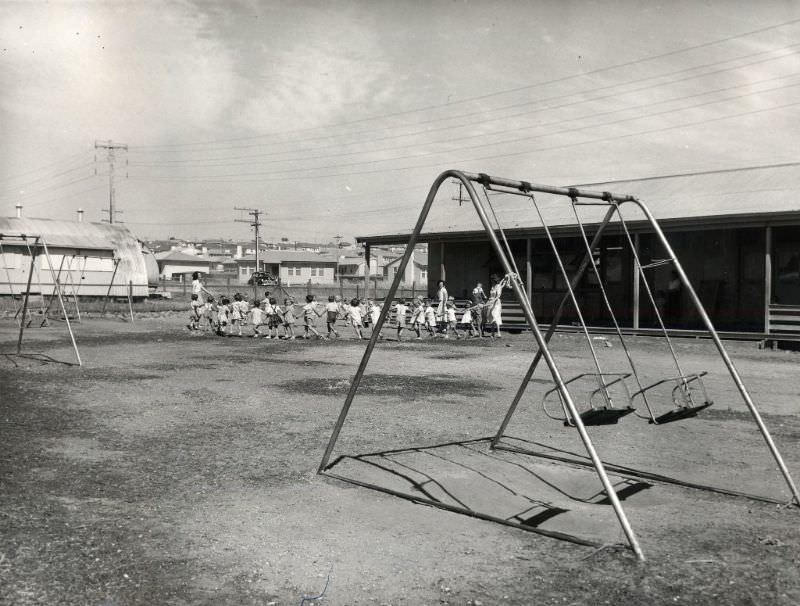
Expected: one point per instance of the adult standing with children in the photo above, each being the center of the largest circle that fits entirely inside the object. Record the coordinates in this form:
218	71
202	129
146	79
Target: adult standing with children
198	288
441	306
494	305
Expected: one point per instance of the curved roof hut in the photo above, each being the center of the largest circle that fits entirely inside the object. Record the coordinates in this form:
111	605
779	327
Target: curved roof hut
85	257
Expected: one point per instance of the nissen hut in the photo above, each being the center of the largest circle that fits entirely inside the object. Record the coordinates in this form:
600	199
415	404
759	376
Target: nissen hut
85	258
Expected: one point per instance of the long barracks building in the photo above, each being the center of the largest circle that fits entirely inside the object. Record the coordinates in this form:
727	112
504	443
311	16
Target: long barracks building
736	232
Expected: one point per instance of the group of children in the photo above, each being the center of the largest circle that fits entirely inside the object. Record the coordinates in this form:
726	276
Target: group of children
229	318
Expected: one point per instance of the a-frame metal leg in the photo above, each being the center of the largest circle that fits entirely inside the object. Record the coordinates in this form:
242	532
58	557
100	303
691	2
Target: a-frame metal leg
26	299
722	352
61	303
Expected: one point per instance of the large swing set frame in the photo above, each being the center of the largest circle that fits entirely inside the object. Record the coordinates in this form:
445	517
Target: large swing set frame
686	408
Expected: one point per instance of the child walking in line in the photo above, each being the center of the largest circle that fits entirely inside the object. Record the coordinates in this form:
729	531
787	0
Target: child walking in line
256	318
430	318
400	316
269	314
288	319
237	317
355	316
275	320
195	308
374	312
418	317
310	315
331	315
210	314
468	319
223	313
450	316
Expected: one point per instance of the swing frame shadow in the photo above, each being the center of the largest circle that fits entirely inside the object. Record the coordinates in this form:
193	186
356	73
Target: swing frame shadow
577	197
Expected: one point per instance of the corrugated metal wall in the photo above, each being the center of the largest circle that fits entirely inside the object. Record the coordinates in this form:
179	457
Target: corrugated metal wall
85	253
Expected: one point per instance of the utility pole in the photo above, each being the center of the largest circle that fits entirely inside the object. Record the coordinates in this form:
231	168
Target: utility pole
461	199
111	149
255	224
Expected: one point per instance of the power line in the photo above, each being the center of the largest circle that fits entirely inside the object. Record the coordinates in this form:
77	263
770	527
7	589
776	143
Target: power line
305	171
51	188
492	94
66	160
613	87
508	130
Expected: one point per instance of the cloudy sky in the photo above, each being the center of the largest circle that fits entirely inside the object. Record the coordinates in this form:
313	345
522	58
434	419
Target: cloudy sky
335	117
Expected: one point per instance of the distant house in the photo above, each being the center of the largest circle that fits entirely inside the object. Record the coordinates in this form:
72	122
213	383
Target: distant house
353	266
174	264
290	266
416	270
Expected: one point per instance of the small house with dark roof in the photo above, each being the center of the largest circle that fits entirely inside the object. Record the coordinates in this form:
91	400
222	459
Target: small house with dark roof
290	266
175	264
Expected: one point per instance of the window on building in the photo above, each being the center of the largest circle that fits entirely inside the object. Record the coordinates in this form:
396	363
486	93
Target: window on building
313	272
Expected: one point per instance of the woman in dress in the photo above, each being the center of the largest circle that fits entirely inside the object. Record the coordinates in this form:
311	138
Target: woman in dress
198	288
494	306
441	295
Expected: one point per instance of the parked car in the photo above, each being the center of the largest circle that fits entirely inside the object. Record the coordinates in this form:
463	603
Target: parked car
261	278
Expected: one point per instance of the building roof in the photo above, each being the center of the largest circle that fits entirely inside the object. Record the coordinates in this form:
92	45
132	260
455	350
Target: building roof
177	256
723	196
67	234
276	257
420	258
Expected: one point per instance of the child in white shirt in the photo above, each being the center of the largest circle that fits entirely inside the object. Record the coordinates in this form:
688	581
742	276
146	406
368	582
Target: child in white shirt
256	318
430	318
331	315
450	318
400	317
418	317
355	316
310	314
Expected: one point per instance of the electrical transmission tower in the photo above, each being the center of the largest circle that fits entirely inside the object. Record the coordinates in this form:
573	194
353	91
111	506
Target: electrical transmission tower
111	149
255	223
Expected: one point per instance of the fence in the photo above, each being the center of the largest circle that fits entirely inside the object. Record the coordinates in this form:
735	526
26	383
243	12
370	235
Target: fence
345	288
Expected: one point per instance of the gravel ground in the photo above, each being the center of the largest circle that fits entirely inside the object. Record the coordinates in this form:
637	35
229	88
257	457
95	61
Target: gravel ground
180	468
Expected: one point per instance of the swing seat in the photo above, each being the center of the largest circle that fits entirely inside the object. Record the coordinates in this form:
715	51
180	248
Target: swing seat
682	399
682	412
601	416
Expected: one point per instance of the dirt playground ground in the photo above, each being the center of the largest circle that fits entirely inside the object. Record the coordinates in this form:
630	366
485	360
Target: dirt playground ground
179	468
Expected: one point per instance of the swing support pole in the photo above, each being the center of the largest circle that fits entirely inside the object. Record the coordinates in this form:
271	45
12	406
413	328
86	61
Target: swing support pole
110	284
27	296
722	352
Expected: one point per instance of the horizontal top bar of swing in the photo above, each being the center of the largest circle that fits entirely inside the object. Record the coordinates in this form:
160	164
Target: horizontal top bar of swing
524	186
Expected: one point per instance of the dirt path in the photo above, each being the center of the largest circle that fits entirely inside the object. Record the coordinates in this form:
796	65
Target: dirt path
180	469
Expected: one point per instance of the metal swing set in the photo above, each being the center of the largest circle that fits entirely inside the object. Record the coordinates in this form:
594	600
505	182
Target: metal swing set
36	246
688	394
